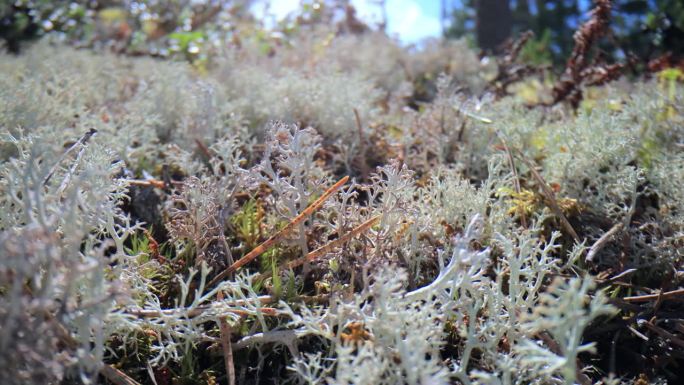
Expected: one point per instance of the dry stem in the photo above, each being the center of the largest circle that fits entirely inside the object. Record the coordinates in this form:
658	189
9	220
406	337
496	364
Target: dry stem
262	248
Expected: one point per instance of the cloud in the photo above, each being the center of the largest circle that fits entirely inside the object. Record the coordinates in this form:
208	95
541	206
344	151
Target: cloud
409	20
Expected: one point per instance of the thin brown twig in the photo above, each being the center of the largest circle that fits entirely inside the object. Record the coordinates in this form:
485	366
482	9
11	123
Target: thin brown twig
81	142
147	183
362	143
199	310
203	148
225	331
621	275
550	198
116	376
603	241
650	297
263	247
516	180
664	333
312	256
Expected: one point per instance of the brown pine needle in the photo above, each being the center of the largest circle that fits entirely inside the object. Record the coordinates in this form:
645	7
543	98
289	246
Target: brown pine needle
147	183
332	244
144	313
225	331
550	198
269	311
262	248
650	297
81	142
116	376
516	177
199	310
203	149
603	241
673	339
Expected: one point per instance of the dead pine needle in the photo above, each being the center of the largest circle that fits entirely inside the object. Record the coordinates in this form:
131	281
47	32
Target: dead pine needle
116	376
147	183
81	142
603	241
550	198
263	247
226	332
660	296
312	256
516	177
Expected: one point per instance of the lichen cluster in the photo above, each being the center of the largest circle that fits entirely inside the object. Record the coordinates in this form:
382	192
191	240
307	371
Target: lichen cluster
457	252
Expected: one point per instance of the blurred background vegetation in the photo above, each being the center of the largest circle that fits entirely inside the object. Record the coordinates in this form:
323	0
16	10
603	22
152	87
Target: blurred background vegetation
641	30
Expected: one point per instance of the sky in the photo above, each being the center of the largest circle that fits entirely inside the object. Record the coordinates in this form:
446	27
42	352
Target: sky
409	20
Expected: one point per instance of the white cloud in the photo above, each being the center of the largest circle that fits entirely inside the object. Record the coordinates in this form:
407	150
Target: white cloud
410	22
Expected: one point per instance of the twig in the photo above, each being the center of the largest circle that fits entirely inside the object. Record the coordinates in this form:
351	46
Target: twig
621	275
664	333
637	333
204	149
225	331
146	313
603	241
147	183
550	198
257	251
650	297
362	143
115	376
310	257
516	180
286	337
679	326
265	299
81	142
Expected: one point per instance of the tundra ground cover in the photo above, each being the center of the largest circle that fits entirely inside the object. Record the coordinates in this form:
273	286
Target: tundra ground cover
421	227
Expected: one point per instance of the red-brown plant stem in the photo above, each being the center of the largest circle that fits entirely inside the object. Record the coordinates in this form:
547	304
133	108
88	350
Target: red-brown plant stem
263	247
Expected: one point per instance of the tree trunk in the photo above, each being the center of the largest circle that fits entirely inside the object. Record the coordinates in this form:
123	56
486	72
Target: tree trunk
494	22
